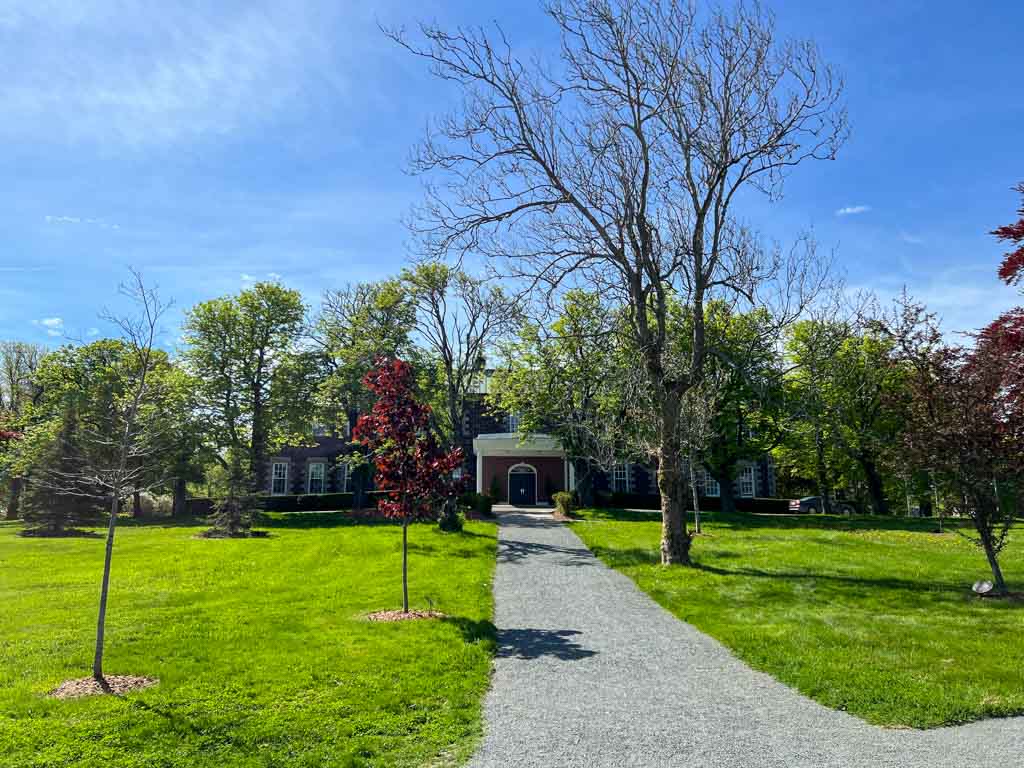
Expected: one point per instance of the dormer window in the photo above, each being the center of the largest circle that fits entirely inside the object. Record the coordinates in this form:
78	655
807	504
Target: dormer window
512	423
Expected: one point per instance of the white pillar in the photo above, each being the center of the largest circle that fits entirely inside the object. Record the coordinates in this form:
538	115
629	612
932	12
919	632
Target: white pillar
479	473
572	476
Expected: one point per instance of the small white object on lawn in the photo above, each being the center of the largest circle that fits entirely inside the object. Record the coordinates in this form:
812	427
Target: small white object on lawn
982	587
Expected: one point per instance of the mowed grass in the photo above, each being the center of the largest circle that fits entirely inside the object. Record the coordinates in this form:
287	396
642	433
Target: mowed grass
261	647
872	616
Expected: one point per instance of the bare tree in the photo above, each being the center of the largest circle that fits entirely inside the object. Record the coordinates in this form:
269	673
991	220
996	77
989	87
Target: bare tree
120	441
620	168
132	442
459	319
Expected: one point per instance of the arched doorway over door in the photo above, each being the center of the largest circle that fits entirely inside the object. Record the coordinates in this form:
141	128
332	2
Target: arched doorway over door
522	485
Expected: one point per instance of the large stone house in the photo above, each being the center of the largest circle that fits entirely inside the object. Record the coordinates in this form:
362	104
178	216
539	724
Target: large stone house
520	470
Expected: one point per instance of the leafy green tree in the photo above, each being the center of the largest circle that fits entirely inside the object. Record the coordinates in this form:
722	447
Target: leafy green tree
58	499
18	391
564	381
243	353
357	325
848	386
743	392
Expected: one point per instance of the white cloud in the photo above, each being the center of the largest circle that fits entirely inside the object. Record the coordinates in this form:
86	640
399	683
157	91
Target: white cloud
80	220
54	325
141	73
906	237
93	331
273	276
851	210
247	278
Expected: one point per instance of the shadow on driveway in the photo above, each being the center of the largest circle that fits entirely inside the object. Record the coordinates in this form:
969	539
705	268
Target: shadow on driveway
535	643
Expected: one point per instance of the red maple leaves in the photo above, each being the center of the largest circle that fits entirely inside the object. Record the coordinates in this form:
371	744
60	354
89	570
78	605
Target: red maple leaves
411	465
1011	271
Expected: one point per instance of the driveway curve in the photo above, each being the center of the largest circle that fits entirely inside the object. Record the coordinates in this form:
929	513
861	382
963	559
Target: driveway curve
592	672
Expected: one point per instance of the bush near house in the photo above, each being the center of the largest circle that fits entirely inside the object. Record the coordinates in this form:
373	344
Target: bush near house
565	503
481	503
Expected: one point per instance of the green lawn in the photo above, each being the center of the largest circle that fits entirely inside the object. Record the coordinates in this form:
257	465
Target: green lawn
874	616
261	648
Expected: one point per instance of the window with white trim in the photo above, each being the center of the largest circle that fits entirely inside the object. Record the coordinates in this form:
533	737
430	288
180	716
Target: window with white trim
344	478
279	478
746	481
513	422
315	480
707	485
620	478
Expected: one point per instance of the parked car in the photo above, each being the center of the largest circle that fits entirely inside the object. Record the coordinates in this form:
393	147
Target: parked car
814	505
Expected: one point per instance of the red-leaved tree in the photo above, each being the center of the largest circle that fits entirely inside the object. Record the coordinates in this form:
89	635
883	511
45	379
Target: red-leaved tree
961	426
1003	339
411	467
1012	268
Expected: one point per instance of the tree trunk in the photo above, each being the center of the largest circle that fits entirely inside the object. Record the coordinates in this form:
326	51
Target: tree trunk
993	559
879	503
675	539
136	504
180	504
584	482
693	490
405	564
726	492
97	662
822	472
14	498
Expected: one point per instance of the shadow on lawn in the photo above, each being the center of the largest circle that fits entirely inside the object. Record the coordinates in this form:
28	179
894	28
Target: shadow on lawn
832	587
741	521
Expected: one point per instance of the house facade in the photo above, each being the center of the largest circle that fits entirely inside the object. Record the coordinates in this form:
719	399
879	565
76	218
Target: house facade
515	469
297	470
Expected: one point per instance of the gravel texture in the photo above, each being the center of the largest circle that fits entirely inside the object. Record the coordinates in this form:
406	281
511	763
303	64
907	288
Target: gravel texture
592	672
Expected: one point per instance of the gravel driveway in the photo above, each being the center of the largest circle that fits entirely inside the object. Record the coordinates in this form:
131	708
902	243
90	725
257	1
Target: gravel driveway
591	672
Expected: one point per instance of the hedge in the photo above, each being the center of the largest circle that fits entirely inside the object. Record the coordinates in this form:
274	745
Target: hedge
707	504
308	502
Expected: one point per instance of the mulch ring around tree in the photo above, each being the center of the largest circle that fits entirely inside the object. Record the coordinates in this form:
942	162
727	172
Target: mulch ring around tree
89	686
404	616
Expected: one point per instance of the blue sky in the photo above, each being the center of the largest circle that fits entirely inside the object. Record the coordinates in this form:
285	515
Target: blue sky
211	144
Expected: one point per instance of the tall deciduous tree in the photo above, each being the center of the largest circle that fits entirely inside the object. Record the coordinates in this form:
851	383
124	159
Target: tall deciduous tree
18	391
620	168
563	380
410	465
742	395
356	326
242	352
963	425
459	319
